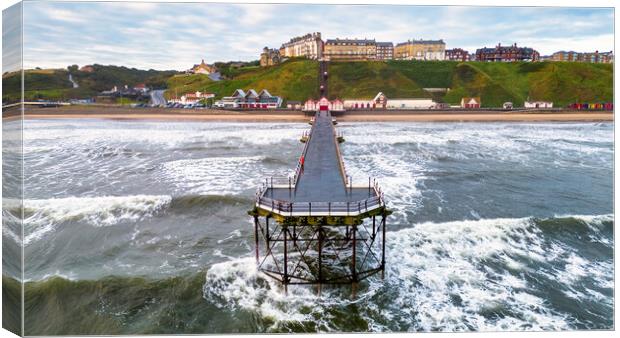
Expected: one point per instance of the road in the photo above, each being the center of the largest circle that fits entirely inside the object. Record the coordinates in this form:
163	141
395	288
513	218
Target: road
75	84
215	76
157	97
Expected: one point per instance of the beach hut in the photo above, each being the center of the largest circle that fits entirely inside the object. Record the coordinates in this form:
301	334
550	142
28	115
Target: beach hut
470	102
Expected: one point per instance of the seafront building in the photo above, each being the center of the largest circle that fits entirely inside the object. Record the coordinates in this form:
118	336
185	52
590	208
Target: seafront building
269	57
507	54
420	50
192	98
385	51
457	54
381	101
538	104
309	46
571	56
323	104
350	50
250	99
470	102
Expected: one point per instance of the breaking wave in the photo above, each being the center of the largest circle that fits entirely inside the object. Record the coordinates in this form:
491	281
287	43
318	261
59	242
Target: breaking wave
43	216
483	275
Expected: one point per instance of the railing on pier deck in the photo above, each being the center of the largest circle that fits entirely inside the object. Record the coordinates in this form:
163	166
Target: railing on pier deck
319	208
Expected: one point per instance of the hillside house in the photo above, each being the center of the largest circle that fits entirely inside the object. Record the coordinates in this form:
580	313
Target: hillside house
202	68
141	87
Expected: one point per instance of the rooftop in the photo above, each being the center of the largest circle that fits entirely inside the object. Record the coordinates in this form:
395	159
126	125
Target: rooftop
357	41
422	42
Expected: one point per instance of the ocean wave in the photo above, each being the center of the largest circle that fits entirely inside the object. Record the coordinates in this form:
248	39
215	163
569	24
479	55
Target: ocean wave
86	133
237	285
43	216
454	276
216	175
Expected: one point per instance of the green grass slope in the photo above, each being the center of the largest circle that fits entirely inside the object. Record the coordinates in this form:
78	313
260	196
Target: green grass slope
38	84
54	84
560	82
295	79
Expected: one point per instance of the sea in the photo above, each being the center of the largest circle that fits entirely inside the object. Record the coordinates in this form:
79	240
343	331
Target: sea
141	227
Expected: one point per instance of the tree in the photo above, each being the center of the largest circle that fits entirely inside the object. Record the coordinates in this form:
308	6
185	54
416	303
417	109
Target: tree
73	68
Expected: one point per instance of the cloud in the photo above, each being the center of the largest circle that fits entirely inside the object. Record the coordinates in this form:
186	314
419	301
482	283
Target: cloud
177	35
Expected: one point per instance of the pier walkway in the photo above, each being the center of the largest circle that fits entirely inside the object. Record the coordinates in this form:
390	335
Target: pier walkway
321	187
316	226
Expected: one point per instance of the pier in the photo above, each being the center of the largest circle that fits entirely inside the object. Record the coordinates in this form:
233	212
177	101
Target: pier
317	226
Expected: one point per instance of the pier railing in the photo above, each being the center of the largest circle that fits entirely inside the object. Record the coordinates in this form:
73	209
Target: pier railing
285	181
351	208
298	168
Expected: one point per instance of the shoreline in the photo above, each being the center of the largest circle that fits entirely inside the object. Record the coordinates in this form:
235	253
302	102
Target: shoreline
161	114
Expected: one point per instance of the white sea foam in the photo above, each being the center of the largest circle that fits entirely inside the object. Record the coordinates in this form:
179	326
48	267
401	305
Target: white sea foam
45	215
508	142
214	175
398	177
480	263
237	284
41	134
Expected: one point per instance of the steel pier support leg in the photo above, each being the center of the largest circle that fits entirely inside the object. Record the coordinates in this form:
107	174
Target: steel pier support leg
320	255
353	260
256	237
383	221
373	227
267	238
285	279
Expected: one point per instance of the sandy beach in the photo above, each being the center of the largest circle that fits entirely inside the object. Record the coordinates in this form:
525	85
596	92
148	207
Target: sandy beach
121	113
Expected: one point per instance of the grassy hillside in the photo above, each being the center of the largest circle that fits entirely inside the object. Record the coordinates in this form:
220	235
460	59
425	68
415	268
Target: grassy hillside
495	83
38	84
365	80
297	79
293	80
106	77
54	84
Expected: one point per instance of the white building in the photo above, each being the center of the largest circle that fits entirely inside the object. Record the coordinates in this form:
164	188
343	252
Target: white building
309	46
380	101
192	98
141	87
323	104
538	104
250	100
410	104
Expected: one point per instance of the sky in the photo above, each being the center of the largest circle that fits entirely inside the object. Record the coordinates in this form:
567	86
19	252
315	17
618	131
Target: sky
178	35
